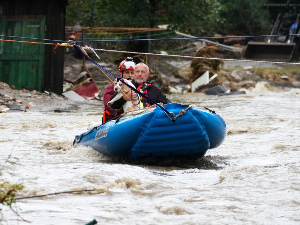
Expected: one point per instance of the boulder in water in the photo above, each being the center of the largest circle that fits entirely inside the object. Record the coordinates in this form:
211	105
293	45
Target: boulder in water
216	90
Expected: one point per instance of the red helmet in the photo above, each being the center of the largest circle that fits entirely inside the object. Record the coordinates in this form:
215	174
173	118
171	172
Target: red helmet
126	64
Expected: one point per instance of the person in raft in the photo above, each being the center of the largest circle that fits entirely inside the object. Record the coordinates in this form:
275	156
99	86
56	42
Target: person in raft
126	71
140	81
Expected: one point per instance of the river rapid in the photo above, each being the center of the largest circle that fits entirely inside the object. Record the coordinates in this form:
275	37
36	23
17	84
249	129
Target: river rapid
252	178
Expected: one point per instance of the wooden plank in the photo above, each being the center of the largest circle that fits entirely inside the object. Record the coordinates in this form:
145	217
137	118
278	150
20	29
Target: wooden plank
5	66
16	47
33	27
32	75
25	33
3	25
9	32
13	74
22	79
19	57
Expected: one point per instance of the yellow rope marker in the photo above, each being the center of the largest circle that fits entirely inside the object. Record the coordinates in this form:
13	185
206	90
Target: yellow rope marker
66	45
84	51
63	45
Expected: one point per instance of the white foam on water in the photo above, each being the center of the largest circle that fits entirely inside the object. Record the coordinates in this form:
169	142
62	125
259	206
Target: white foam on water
260	87
294	91
253	177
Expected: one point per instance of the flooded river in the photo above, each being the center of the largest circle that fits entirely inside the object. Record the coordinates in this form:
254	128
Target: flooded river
252	178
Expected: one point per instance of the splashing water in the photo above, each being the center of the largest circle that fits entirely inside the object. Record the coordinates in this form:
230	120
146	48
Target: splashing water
252	178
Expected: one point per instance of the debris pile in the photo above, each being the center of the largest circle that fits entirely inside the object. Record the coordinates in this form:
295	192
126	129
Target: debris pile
82	88
22	100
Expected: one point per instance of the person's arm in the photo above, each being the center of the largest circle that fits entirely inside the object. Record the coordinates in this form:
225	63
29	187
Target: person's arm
109	92
119	103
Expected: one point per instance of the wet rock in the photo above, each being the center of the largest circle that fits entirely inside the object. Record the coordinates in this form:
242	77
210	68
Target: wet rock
216	90
7	99
248	84
14	106
61	110
25	95
296	84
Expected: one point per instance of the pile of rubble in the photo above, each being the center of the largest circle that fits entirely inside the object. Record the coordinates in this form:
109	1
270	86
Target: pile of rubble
22	100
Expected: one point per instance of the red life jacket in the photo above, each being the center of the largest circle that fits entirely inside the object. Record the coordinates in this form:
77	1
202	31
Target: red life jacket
143	88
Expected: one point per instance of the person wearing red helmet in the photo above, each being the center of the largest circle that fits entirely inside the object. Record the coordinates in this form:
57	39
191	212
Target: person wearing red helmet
140	81
126	71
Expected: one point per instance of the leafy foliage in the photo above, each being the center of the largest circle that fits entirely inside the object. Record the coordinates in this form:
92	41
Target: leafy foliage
192	16
79	11
8	192
245	17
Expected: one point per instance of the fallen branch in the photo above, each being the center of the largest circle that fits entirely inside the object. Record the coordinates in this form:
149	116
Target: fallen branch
63	192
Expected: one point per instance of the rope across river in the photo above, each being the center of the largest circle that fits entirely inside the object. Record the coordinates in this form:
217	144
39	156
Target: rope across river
102	69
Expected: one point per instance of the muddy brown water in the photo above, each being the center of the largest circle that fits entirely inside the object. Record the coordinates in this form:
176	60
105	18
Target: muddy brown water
252	178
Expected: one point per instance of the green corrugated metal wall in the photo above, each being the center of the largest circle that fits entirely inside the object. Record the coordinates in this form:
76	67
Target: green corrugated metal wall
22	64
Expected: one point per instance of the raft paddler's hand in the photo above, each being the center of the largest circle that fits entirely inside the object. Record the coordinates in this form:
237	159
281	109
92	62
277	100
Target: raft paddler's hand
130	96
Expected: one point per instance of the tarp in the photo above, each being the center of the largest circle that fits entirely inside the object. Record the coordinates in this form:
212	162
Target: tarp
87	90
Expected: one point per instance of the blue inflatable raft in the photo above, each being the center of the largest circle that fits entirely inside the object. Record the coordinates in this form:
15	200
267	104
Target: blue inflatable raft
189	133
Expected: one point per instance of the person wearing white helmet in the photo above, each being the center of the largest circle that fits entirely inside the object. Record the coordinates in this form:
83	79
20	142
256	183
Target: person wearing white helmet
126	71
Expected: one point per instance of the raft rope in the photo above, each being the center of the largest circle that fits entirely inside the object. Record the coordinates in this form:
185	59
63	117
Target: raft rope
86	55
182	112
78	48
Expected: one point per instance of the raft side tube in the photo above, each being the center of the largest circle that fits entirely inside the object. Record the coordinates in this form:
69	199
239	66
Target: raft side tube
175	142
215	126
115	138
